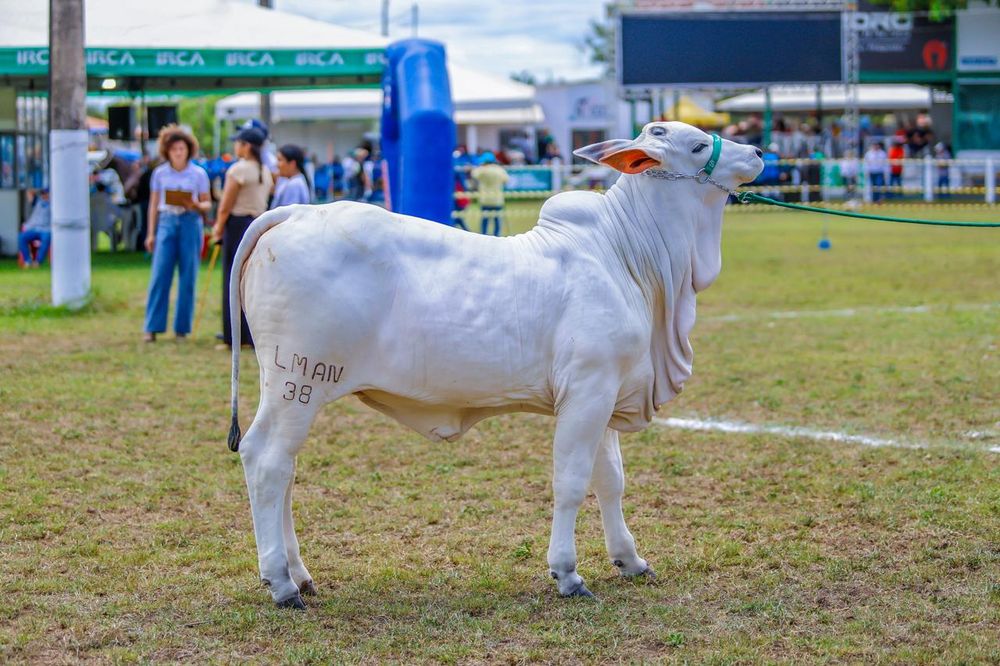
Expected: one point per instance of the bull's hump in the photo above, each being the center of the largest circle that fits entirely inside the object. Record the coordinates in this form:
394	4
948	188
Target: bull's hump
574	208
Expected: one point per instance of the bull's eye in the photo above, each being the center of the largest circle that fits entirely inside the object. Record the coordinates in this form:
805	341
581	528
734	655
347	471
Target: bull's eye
700	147
658	131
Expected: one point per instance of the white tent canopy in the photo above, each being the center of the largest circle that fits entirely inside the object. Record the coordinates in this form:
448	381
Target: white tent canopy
194	24
833	97
480	99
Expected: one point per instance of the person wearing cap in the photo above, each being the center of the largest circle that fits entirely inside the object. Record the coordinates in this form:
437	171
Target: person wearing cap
267	155
244	197
178	198
38	227
490	178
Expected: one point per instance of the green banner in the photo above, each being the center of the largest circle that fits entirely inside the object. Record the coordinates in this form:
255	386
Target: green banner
204	62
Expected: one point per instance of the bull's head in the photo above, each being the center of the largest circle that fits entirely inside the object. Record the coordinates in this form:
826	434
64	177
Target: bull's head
681	149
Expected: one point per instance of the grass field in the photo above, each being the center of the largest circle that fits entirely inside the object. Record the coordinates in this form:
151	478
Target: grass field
125	531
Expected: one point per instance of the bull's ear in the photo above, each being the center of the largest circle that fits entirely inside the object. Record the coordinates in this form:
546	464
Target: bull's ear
621	154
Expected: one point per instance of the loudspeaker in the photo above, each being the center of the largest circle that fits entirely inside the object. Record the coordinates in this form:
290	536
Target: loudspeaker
158	117
120	123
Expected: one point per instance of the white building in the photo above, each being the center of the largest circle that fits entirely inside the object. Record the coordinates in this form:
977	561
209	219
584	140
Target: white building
489	112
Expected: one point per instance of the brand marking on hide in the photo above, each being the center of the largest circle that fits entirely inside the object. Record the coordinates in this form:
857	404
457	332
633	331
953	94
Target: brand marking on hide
791	431
315	372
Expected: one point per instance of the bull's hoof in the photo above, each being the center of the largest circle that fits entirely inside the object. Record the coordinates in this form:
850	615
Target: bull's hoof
308	588
647	573
293	602
580	591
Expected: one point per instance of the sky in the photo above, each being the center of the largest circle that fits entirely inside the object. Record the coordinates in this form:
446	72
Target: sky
544	37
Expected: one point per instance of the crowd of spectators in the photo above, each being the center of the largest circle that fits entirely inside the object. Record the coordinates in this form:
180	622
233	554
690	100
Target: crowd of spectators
888	141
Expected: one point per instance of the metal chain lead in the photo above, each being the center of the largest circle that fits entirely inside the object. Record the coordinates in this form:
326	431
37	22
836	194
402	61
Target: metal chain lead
701	177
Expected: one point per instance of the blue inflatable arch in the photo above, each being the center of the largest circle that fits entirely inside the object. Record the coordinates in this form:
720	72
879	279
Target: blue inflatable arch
418	133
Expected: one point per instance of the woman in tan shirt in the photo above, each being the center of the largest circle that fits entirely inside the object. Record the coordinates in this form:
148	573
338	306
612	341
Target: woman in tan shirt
244	197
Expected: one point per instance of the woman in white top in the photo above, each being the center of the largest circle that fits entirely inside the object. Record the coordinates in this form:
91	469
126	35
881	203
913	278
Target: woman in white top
178	198
292	186
244	197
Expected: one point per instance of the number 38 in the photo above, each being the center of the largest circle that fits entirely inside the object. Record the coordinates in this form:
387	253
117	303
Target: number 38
301	393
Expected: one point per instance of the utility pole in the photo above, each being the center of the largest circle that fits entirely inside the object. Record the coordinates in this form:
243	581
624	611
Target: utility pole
852	76
265	97
385	18
68	155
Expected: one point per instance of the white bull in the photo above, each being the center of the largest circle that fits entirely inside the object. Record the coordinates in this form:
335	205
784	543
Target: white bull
585	317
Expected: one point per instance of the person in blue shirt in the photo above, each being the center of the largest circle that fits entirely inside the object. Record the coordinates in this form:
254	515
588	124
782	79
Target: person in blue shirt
292	186
771	173
38	227
176	232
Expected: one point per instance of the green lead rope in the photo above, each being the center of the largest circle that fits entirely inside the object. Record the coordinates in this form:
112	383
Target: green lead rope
753	197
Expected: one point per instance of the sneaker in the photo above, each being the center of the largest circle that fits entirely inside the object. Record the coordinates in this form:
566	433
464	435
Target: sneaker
149	337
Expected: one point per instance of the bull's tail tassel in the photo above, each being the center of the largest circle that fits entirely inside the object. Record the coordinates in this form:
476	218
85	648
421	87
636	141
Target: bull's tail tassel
235	435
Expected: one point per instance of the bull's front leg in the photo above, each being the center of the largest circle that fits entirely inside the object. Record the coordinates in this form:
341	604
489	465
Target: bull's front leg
580	427
609	486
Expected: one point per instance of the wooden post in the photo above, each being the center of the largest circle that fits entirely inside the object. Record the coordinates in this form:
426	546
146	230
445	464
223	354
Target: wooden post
265	97
70	192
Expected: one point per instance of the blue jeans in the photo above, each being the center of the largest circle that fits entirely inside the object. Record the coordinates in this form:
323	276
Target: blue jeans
878	182
895	180
29	236
491	213
178	244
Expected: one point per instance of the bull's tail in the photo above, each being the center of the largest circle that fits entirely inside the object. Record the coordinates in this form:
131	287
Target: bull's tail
258	228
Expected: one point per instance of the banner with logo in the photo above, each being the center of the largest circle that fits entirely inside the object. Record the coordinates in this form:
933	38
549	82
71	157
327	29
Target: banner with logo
979	40
903	42
529	180
110	62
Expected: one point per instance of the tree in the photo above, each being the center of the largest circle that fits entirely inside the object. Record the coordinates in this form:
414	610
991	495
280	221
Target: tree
524	76
198	113
938	9
600	42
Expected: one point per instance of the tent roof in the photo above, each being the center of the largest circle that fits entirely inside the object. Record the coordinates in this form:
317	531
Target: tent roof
689	111
203	44
834	97
179	24
480	99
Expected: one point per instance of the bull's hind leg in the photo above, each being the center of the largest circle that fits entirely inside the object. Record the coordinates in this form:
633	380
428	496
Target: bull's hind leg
300	575
609	486
268	452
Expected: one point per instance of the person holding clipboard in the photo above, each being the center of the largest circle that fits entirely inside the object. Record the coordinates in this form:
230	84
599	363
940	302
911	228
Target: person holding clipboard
178	199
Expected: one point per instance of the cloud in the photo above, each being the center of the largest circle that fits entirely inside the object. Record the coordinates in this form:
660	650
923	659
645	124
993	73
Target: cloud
543	38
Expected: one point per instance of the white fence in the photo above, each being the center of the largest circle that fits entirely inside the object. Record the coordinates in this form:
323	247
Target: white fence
927	180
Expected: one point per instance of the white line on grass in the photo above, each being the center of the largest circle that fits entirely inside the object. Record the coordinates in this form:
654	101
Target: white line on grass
790	431
853	312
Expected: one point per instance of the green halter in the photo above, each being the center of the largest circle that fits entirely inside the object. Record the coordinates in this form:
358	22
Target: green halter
704	174
716	151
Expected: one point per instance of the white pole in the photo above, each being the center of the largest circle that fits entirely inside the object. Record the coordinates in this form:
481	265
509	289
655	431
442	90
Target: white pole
472	139
990	181
867	186
68	155
557	177
928	178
